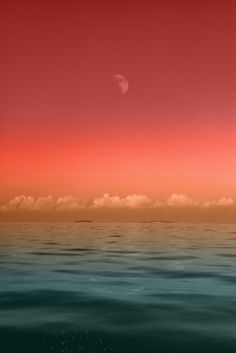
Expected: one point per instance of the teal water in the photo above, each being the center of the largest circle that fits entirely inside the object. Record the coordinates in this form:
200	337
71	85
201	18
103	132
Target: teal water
109	288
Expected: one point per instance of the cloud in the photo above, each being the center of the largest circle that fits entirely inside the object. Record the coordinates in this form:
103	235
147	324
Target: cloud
130	201
43	204
223	202
29	203
69	203
180	200
72	203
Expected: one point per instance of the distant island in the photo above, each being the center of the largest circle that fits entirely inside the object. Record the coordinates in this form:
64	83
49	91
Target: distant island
83	221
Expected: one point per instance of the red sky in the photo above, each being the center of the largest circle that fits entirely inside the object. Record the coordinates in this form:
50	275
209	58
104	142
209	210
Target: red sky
65	128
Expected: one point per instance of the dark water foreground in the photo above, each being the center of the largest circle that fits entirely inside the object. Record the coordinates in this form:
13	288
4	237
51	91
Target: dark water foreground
113	288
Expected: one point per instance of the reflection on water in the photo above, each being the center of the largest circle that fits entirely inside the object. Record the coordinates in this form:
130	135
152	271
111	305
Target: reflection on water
118	288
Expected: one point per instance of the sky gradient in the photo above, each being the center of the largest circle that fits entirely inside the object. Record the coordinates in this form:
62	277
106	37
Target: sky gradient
66	129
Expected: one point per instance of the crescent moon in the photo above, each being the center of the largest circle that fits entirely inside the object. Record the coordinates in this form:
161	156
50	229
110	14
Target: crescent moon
122	83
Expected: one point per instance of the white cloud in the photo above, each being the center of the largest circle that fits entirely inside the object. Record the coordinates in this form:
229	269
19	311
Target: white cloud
180	200
136	200
130	201
69	203
223	202
72	203
29	203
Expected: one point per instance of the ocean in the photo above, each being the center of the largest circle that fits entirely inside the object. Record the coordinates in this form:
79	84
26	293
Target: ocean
117	288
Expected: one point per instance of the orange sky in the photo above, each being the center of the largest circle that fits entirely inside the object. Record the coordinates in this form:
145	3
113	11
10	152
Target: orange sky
66	129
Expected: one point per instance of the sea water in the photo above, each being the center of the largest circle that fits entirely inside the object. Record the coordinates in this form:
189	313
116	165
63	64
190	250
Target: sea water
117	288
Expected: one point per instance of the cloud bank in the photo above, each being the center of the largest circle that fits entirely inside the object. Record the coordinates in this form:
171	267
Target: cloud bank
130	201
180	200
134	201
221	202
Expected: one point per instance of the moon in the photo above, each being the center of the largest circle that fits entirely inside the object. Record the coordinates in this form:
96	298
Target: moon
122	82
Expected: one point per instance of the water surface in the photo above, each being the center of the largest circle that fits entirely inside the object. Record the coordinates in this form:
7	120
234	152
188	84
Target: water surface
135	287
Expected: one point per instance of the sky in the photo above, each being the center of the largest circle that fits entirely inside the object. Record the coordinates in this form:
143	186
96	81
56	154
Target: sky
66	128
